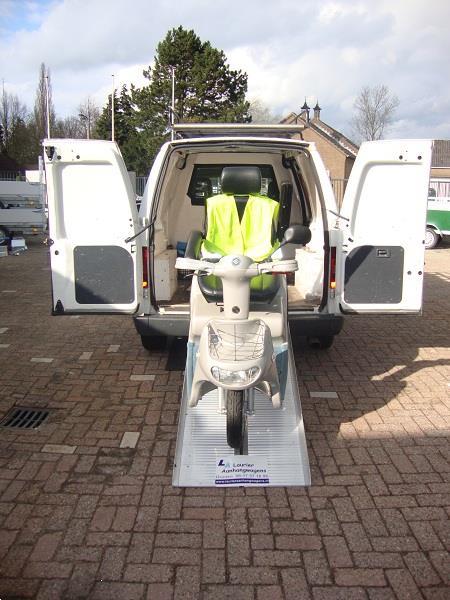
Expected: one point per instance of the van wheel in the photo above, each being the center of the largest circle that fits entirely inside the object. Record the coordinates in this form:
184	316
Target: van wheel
154	342
320	342
432	238
235	420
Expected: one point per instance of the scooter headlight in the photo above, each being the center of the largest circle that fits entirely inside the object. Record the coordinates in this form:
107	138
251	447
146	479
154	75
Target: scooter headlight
243	377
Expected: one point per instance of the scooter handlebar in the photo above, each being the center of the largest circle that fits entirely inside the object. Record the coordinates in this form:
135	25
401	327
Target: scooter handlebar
280	266
192	264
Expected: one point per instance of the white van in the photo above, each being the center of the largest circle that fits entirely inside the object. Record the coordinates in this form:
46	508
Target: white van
107	258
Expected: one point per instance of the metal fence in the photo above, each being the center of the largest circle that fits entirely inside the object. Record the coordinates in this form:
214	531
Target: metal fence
339	186
11	176
140	185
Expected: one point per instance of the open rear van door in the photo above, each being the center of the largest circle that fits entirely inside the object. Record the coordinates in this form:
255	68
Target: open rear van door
92	211
383	222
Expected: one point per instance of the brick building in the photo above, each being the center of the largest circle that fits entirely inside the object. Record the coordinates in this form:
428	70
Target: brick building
440	160
338	152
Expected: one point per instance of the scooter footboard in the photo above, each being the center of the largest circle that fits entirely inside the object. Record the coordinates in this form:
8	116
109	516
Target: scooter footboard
277	452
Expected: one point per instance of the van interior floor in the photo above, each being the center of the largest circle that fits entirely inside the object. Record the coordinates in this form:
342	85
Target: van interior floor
297	300
180	299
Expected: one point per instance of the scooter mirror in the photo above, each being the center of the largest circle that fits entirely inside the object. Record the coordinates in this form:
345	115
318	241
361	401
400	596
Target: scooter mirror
297	234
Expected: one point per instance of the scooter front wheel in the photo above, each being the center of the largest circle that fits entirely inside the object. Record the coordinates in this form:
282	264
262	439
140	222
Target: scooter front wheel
235	419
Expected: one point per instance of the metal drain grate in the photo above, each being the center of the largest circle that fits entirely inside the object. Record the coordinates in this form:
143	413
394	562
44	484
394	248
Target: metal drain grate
24	418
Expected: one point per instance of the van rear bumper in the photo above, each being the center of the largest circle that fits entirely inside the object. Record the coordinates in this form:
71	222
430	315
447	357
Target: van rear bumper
170	325
301	324
314	324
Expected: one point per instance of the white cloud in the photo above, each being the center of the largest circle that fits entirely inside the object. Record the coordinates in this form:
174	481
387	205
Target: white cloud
351	56
330	11
321	49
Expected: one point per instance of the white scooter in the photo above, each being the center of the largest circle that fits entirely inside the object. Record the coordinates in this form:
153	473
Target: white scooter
240	346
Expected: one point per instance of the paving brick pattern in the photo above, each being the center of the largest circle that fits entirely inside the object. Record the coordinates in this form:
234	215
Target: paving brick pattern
83	517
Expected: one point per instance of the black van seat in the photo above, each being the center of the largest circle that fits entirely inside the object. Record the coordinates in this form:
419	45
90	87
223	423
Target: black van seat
262	288
241	182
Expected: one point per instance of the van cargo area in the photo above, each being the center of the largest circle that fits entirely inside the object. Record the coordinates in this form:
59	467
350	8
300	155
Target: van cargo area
193	174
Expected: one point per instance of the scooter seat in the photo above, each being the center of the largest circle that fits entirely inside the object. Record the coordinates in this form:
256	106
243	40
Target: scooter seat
262	288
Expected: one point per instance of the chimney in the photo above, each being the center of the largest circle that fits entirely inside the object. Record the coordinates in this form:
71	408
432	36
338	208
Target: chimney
305	108
317	110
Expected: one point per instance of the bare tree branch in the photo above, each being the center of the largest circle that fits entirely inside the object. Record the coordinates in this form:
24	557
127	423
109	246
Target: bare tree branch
374	112
261	113
40	105
88	113
12	112
68	127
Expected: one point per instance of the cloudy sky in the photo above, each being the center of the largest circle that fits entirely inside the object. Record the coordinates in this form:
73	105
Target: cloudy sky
291	49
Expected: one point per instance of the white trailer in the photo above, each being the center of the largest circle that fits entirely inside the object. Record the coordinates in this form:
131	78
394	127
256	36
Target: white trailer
21	208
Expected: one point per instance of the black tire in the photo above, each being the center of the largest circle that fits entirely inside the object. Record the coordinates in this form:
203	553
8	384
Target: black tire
432	238
321	342
154	342
235	419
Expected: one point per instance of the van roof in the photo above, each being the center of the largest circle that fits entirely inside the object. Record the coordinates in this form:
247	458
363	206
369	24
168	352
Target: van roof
199	130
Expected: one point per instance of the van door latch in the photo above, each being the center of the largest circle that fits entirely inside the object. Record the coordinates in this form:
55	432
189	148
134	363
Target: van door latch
383	253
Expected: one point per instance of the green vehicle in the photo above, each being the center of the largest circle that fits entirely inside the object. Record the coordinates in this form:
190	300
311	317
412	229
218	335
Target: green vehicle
438	213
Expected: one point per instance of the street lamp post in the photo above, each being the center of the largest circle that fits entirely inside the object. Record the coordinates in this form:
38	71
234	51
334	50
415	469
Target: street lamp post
172	116
47	102
112	108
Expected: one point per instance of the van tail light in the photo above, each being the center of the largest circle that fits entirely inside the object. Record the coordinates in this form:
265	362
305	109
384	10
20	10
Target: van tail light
332	281
145	267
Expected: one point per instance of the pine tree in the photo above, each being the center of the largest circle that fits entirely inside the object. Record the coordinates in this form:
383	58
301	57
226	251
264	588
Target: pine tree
126	133
206	89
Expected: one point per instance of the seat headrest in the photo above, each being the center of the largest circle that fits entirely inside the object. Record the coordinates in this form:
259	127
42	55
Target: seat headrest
240	181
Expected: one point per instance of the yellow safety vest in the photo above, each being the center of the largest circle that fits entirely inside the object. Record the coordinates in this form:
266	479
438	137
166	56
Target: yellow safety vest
252	236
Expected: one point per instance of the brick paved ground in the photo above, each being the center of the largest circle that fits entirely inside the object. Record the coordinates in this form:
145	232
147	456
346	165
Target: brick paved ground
81	517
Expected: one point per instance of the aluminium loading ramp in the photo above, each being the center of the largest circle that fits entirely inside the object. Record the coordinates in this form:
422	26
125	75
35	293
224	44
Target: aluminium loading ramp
277	452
